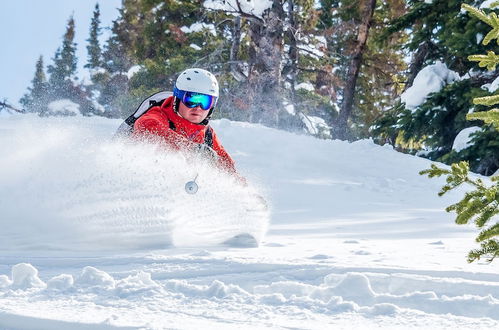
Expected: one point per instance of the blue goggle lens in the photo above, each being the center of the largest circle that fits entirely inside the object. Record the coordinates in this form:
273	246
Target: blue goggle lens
192	100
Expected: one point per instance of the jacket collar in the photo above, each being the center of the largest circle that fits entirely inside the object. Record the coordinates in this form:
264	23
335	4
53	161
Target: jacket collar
182	125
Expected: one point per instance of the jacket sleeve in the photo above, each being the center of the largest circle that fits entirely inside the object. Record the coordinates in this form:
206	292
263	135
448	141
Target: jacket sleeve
152	124
225	161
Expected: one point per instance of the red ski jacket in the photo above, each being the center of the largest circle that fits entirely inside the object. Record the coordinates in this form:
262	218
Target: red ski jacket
179	133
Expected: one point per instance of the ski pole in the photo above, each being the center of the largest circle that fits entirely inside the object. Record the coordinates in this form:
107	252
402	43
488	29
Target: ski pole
192	187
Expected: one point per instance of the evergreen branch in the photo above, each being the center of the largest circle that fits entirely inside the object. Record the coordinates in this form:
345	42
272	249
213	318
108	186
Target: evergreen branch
488	233
459	207
490	19
494	34
470	210
420	9
489	211
489	61
478	13
489	117
434	171
490	248
487	100
482	203
455	177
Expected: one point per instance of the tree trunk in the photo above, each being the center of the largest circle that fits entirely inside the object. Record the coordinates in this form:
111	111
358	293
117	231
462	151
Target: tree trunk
234	50
293	48
417	63
265	74
341	130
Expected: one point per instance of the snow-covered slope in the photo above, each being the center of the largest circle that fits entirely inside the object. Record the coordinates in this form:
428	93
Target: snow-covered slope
100	234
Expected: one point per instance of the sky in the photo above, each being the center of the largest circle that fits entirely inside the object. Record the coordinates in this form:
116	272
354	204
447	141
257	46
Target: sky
30	28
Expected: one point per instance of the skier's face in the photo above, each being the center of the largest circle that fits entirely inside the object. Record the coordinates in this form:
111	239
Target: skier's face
194	115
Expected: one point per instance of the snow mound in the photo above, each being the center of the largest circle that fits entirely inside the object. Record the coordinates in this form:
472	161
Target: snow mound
25	276
93	277
61	282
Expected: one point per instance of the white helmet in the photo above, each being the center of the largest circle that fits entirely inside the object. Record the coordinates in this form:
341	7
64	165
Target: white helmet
197	80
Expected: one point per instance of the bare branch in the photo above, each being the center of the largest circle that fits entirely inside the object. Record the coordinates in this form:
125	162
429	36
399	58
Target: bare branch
312	70
4	105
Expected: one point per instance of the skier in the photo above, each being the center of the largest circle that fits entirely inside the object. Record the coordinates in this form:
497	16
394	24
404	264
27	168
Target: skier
182	119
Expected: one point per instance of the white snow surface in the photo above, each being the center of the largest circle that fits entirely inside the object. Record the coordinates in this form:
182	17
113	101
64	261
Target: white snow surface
463	139
99	233
430	79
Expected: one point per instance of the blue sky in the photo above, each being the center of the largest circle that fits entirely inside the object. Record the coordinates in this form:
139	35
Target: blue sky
30	28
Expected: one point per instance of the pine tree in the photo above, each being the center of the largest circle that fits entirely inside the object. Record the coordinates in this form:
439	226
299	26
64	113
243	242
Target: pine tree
488	61
113	81
269	55
93	47
156	35
306	64
381	62
36	98
65	63
63	80
259	60
341	129
481	204
441	32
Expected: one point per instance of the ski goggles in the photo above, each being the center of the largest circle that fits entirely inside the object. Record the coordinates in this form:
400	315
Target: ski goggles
193	100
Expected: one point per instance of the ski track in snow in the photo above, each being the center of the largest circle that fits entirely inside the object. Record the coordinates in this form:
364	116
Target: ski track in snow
99	234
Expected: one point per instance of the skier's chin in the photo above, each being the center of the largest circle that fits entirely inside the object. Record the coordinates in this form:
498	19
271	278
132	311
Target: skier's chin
196	119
